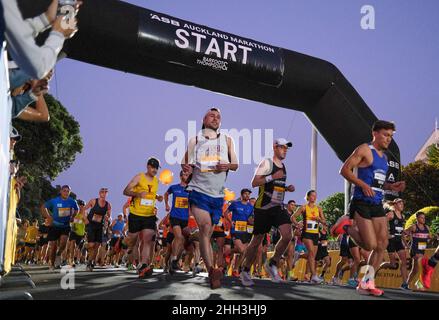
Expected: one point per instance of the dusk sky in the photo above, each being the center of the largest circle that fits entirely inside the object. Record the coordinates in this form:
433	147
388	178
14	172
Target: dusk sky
124	118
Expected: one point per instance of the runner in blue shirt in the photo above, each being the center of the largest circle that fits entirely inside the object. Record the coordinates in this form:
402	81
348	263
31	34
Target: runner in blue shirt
61	210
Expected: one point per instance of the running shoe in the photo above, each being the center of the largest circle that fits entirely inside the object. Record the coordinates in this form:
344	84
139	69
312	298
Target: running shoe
426	273
145	272
404	286
173	267
353	283
272	272
57	263
338	227
246	280
316	280
215	276
368	288
235	274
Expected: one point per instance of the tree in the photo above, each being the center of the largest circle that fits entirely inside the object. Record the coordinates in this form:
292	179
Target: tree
46	150
422	180
433	155
333	207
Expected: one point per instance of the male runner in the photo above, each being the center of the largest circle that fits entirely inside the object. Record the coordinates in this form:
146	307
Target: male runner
178	216
271	178
366	208
142	219
100	210
210	156
62	209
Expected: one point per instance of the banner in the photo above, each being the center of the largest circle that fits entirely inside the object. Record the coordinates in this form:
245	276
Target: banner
5	122
184	43
393	175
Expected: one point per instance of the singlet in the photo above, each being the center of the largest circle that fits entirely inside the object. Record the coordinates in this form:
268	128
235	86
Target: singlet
31	234
96	216
272	194
180	202
208	153
373	175
78	225
145	206
420	238
310	217
396	226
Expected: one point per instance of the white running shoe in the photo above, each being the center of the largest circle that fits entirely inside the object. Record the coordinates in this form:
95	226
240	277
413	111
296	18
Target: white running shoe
246	280
272	271
316	280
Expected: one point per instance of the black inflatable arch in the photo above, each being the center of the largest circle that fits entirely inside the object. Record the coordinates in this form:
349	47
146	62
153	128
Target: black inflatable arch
121	36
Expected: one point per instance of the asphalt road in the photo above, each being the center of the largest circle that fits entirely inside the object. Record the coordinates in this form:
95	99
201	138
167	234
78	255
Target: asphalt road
122	284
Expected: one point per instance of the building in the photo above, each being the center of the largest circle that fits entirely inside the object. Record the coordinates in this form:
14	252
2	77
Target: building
433	139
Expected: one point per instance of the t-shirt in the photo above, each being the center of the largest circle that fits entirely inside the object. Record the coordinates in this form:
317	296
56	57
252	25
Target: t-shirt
180	202
240	215
61	210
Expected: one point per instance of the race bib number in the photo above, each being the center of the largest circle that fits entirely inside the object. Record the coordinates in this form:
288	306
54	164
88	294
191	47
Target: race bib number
78	221
422	245
399	230
278	195
181	203
64	212
249	229
209	163
147	202
97	218
378	181
241	226
312	226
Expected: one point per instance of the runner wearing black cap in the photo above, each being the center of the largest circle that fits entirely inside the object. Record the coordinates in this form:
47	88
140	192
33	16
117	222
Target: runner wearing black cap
142	220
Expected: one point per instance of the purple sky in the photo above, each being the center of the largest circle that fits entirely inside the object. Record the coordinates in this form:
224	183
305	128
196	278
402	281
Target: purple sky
124	118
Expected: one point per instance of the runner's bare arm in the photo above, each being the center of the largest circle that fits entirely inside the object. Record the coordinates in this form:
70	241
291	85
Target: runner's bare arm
357	158
232	154
159	198
128	189
109	211
261	173
297	214
186	163
90	204
44	211
398	186
166	198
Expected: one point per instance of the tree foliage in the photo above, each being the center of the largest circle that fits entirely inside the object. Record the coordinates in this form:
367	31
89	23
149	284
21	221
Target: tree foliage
46	150
333	207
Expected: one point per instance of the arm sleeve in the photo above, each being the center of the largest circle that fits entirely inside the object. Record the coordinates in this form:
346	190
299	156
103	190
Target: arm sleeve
38	24
34	60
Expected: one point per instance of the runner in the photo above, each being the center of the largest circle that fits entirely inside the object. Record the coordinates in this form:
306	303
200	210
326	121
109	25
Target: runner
322	254
142	219
420	235
100	211
291	250
345	258
178	217
62	210
366	209
43	241
77	233
210	156
270	177
312	216
242	214
118	228
194	242
30	240
397	245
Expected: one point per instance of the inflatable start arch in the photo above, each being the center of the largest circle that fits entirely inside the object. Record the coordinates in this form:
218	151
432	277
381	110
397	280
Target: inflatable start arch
125	37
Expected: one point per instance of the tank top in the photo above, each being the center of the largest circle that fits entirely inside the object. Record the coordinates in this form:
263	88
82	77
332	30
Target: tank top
272	194
145	206
396	226
373	175
207	154
420	238
97	213
310	220
78	225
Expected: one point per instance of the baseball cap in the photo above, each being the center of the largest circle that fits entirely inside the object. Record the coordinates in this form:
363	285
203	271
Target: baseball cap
153	162
283	142
13	134
246	190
